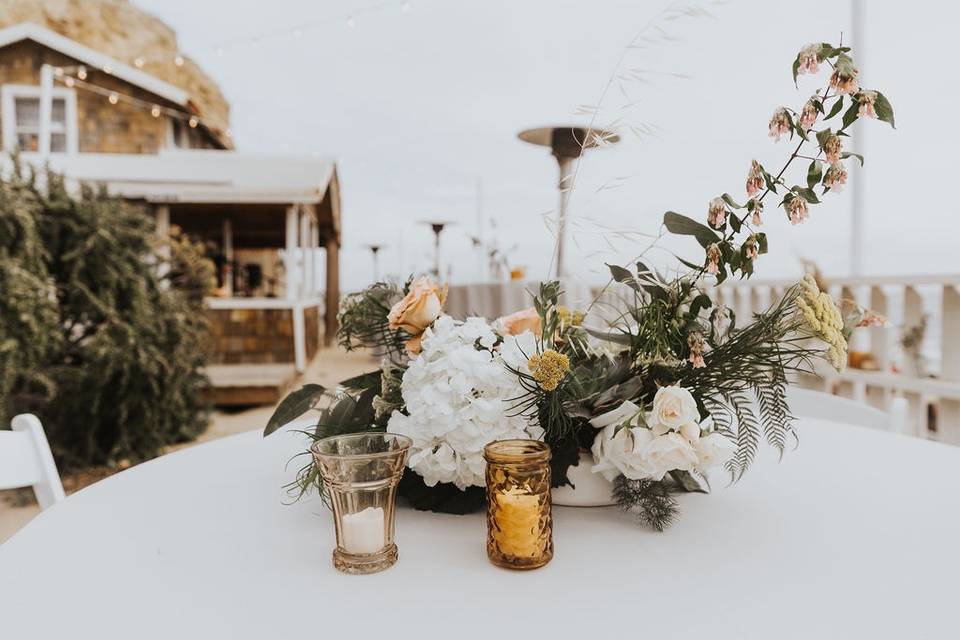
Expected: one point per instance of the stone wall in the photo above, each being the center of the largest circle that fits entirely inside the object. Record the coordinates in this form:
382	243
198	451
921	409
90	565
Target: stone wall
101	127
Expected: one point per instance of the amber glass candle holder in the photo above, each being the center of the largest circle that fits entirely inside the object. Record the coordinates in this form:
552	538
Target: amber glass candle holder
519	522
360	476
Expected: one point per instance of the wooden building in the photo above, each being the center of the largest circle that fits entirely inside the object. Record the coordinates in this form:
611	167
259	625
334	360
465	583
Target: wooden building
273	220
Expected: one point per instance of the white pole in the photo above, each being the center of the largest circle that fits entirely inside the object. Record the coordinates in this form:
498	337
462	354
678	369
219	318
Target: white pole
481	258
858	229
566	169
46	110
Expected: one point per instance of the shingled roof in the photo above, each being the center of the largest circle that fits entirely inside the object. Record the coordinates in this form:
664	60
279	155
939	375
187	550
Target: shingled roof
120	30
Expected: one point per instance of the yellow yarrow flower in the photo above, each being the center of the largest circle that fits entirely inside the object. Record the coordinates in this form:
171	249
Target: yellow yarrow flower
548	368
822	316
569	318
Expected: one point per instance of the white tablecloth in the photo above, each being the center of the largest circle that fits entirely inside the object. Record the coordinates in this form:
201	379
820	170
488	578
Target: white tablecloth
495	299
855	535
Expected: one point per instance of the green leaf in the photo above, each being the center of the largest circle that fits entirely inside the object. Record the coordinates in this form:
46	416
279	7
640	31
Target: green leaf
762	242
700	303
850	115
884	109
771	183
814	173
363	381
293	406
849	154
807	194
730	201
822	137
609	336
796	70
689	264
684	226
735	223
835	109
686	481
622	275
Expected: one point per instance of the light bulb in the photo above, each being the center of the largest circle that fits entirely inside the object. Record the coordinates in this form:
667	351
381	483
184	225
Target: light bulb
178	61
351	22
107	69
82	73
139	62
155	111
114	98
193	122
58	72
69	82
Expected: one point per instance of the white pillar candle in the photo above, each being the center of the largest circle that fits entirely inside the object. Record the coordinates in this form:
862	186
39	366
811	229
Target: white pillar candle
363	532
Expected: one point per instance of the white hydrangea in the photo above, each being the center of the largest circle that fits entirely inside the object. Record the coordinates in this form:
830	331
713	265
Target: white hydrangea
459	399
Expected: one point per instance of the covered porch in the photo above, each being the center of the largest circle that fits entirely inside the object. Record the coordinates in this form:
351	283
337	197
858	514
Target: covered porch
271	224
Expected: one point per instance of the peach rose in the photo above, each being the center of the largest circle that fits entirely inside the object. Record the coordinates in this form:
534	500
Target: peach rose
419	308
518	322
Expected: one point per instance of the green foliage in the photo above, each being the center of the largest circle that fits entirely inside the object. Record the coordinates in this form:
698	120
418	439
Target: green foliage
649	500
118	348
363	320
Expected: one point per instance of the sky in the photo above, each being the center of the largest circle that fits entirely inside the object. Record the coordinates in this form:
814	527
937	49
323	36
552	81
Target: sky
420	104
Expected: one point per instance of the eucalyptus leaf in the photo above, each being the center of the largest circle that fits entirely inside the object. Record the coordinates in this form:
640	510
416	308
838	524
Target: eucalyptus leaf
684	226
814	173
624	276
294	405
835	109
849	154
884	109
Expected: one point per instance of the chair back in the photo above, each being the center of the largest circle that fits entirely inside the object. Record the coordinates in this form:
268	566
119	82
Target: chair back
26	461
805	403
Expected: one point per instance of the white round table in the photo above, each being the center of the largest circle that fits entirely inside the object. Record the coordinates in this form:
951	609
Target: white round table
854	535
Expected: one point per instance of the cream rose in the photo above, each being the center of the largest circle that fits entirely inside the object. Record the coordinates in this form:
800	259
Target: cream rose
668	452
622	451
418	309
673	407
713	450
518	322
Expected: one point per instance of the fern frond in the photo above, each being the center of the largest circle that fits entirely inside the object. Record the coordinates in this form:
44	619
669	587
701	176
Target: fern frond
748	433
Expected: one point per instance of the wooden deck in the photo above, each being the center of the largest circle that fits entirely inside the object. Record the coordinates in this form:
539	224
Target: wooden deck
249	384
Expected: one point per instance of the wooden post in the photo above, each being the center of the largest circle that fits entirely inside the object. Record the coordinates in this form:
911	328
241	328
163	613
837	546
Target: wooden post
46	110
333	291
228	276
289	253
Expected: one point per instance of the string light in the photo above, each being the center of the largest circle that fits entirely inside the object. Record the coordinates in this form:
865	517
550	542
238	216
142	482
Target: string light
82	73
139	62
58	72
193	122
298	31
107	69
155	111
113	98
69	82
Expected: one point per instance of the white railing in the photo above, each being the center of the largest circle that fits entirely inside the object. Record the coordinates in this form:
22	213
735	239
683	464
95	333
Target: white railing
932	388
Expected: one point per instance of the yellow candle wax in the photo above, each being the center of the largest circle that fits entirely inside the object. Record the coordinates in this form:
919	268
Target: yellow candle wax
518	524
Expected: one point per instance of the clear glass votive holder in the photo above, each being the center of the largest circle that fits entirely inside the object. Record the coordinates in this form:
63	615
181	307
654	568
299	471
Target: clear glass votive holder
360	474
519	518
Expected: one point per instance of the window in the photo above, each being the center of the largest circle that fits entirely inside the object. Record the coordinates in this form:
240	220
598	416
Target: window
21	119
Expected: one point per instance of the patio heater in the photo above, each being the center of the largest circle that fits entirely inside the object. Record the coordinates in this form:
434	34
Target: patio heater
437	227
567	143
375	252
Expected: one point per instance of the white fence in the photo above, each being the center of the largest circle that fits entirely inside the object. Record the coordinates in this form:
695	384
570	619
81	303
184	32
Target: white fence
933	387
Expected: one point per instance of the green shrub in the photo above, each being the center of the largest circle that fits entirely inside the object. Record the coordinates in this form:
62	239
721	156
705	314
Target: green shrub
115	356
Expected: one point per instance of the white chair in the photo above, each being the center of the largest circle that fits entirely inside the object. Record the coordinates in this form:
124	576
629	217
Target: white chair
26	461
805	403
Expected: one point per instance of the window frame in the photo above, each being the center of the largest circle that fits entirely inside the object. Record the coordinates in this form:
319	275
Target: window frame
9	93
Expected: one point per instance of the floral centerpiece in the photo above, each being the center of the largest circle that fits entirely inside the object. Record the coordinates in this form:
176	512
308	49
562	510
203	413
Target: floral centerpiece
652	400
